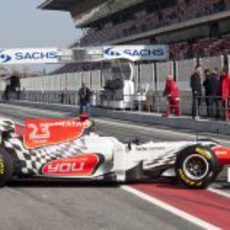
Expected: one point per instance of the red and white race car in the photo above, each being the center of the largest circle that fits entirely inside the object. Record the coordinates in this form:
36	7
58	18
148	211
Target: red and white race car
69	149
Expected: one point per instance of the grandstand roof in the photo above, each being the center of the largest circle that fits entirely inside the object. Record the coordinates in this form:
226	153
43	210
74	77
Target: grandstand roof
63	5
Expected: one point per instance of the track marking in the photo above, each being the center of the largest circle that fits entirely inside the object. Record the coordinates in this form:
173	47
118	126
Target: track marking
183	133
219	192
170	208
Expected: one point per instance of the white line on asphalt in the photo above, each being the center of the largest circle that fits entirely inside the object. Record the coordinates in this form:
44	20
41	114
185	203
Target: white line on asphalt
121	124
171	132
219	192
171	209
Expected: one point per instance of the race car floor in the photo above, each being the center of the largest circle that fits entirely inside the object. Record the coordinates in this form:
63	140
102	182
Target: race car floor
159	205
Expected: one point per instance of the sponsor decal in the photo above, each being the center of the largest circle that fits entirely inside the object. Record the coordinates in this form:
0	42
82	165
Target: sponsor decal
149	148
111	52
220	150
27	56
139	52
44	132
4	58
81	165
36	55
144	52
187	180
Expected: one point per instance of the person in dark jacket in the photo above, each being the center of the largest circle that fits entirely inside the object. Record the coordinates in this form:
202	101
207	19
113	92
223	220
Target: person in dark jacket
216	91
6	92
208	90
84	98
195	84
211	86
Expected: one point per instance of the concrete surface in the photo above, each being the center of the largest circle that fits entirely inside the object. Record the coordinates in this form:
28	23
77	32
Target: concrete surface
43	206
199	125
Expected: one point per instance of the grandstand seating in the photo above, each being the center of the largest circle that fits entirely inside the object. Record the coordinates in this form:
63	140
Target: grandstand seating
190	9
187	10
182	50
201	48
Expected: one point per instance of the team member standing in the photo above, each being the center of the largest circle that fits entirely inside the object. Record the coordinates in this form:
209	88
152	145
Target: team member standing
207	90
211	86
216	91
84	99
195	83
173	93
225	92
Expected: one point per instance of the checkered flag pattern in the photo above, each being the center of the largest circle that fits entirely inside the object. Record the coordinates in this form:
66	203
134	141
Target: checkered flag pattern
33	160
6	125
166	159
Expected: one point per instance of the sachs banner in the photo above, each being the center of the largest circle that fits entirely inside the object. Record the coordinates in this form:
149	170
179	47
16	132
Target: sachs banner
29	56
137	52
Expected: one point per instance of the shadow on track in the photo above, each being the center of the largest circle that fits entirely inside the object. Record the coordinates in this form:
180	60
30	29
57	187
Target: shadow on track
61	184
86	184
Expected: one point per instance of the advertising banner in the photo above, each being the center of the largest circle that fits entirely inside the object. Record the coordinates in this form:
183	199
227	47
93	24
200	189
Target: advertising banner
84	54
137	52
29	56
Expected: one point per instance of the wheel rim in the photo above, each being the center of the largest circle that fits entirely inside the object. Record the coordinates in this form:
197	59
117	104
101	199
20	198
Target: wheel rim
196	167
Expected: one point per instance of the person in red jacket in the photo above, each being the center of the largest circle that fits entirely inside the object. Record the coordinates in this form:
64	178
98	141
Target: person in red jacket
225	92
173	93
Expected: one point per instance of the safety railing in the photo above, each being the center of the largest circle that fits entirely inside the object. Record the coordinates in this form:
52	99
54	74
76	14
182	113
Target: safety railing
213	107
204	107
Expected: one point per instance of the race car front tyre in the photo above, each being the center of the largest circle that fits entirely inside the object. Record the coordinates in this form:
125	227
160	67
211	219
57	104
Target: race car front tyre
6	167
196	167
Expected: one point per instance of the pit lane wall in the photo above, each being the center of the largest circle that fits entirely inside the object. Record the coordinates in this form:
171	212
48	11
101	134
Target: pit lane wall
63	88
216	127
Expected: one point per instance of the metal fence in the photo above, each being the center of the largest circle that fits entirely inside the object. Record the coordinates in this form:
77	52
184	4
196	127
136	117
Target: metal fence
63	88
205	107
152	74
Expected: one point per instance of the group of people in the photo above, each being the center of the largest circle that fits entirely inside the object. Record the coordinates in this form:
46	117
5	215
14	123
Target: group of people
216	93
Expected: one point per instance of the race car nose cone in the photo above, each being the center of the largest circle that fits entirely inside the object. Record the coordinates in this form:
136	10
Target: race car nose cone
84	116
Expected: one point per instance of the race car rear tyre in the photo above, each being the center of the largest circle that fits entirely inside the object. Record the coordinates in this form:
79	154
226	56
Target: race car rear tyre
196	167
6	167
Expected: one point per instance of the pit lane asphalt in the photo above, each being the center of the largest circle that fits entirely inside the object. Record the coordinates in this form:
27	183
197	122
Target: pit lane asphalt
85	206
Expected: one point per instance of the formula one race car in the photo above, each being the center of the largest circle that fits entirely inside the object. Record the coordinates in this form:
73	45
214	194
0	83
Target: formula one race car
69	149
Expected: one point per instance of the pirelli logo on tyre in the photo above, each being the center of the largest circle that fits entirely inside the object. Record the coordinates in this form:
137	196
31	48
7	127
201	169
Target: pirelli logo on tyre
2	166
203	153
187	180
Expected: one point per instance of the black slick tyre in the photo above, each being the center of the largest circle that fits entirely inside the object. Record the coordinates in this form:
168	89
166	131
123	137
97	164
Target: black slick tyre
6	167
196	167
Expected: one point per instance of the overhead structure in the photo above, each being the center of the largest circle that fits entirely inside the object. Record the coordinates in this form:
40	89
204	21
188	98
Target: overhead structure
84	54
57	4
